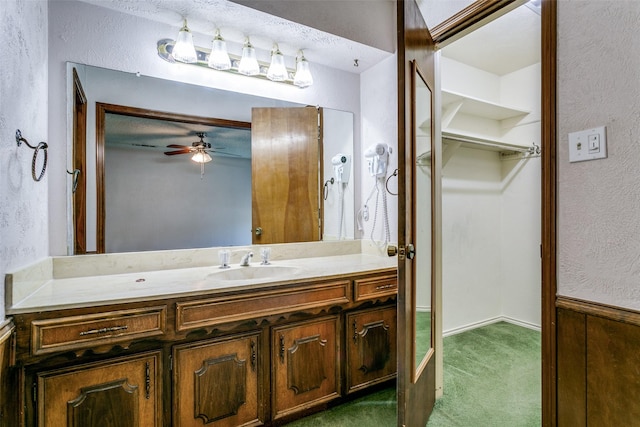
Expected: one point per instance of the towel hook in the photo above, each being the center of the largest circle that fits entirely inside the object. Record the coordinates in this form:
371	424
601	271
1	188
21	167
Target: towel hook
40	146
75	174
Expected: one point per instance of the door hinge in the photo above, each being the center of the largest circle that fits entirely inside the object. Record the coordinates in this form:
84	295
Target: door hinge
170	363
34	390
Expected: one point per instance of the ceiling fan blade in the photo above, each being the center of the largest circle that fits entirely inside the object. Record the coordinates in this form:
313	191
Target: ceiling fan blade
184	151
177	146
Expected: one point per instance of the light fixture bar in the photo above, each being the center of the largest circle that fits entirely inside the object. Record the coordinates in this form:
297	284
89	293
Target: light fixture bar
165	49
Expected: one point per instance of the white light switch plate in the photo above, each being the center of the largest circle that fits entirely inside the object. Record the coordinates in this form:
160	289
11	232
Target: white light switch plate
588	144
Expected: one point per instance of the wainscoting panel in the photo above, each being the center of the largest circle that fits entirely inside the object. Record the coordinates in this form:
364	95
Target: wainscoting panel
598	365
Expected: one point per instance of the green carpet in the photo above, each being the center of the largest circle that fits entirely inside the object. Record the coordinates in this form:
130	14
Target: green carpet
491	379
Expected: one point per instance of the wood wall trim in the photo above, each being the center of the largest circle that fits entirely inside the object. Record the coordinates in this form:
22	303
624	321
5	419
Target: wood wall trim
596	309
470	18
549	209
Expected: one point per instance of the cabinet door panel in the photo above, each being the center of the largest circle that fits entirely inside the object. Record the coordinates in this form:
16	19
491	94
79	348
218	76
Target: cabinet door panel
306	364
118	393
216	382
371	347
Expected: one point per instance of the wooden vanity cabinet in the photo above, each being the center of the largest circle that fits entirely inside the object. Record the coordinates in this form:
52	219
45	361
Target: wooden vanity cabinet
248	357
217	383
123	392
371	347
305	363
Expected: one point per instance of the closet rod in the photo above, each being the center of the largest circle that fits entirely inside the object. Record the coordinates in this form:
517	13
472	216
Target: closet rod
486	143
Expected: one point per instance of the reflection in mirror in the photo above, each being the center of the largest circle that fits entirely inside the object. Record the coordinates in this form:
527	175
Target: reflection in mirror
422	134
157	195
119	88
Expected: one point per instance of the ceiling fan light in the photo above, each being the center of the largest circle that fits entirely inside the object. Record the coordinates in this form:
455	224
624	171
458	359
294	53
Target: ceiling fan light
201	157
183	50
303	77
248	63
277	70
219	57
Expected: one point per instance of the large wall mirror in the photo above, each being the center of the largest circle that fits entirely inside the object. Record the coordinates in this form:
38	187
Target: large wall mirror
422	141
154	201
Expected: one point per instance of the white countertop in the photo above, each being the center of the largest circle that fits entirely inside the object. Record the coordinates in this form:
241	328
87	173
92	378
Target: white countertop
93	290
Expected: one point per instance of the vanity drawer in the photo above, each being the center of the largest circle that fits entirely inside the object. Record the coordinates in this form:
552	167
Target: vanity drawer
375	287
77	332
197	314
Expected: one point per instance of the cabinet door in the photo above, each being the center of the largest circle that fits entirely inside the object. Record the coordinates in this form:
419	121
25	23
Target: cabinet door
123	392
216	382
305	364
371	347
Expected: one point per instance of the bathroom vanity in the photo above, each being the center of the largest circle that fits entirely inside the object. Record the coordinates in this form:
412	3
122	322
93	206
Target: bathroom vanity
199	345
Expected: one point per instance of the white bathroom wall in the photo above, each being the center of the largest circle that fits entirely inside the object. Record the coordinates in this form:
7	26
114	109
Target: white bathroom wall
24	226
92	35
378	98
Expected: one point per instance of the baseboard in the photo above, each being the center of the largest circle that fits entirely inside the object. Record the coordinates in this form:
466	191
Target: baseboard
490	321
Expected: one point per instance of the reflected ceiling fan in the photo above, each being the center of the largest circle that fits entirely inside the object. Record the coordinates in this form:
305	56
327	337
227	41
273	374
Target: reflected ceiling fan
200	150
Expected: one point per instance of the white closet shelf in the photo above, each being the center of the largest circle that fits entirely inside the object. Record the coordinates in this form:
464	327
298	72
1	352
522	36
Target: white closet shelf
481	142
481	108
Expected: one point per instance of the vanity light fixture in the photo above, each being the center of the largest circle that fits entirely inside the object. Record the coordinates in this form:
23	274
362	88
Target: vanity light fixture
248	63
219	57
184	50
303	77
277	70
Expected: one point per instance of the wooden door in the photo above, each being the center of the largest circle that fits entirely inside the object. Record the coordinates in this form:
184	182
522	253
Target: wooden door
286	158
124	392
217	383
79	168
371	347
418	217
305	360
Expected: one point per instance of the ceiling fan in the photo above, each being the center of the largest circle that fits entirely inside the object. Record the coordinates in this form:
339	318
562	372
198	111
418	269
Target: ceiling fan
200	150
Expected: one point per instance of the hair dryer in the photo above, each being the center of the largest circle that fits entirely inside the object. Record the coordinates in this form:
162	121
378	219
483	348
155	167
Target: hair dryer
377	157
341	167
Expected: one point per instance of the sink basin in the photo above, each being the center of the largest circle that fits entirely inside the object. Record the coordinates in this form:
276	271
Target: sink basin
254	272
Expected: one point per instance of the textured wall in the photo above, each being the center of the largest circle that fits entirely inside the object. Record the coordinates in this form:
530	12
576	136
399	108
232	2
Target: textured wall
23	105
599	201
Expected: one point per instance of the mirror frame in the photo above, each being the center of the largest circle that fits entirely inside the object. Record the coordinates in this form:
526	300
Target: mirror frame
101	110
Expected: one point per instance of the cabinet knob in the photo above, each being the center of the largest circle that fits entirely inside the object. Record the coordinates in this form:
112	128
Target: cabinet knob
258	231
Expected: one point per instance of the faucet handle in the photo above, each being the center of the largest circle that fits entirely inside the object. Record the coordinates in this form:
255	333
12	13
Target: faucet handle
265	254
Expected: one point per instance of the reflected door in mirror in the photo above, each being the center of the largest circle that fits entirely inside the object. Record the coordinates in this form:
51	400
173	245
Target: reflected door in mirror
285	175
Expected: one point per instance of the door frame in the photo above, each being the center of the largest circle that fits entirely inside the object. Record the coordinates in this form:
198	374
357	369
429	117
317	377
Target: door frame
470	18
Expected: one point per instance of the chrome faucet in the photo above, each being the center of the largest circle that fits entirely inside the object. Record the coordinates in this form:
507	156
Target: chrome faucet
244	262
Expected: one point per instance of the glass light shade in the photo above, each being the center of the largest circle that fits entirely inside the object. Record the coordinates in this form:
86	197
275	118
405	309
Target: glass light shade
183	50
201	157
248	63
219	57
303	77
277	70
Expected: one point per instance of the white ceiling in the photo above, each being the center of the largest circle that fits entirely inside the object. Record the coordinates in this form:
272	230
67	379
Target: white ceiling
236	21
504	45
